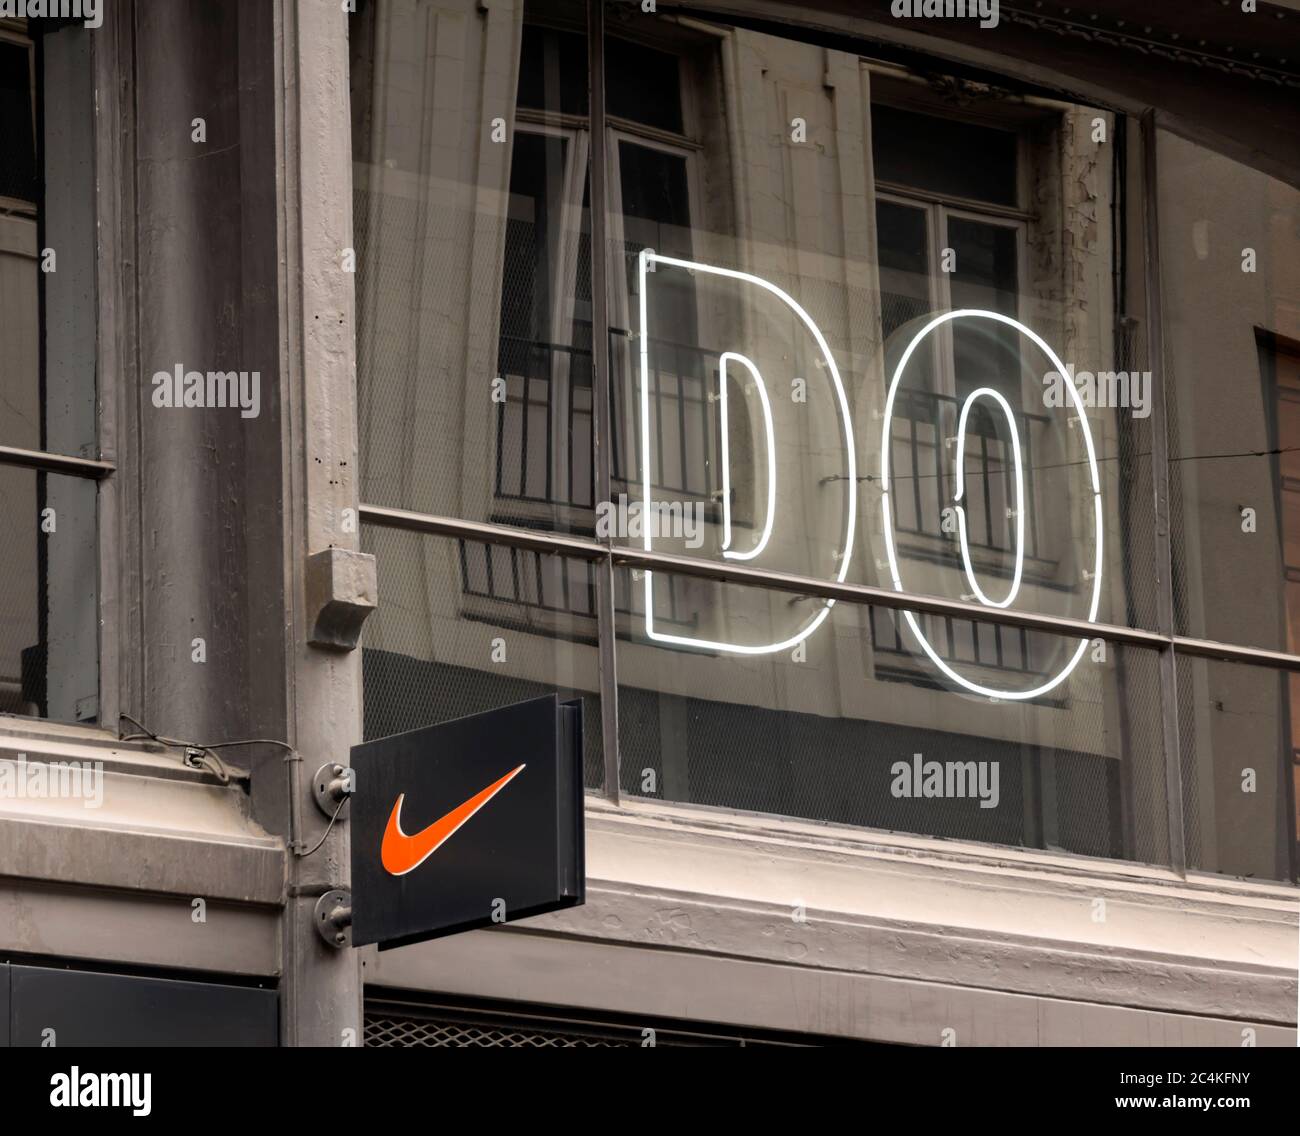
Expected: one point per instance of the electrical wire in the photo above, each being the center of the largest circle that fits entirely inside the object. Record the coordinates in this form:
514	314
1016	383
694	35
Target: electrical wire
219	768
327	831
996	467
208	750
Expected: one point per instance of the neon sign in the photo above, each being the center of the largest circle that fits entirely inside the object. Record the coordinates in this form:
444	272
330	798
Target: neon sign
989	392
770	432
648	259
645	261
1094	473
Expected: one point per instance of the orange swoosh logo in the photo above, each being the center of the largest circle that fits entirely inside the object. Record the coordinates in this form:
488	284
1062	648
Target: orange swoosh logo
400	853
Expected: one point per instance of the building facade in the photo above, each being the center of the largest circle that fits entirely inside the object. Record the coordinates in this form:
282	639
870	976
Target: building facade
880	420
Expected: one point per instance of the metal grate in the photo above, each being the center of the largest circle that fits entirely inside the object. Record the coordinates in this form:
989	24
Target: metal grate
382	1030
430	652
924	486
1092	784
401	1023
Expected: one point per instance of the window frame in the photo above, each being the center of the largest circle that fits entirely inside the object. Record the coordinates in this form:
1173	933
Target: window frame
102	468
563	284
939	210
623	300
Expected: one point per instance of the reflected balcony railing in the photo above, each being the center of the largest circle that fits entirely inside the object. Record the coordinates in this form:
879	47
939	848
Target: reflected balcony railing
545	456
922	471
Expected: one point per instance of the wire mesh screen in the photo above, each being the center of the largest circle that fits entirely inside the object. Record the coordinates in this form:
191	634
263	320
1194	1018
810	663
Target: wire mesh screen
1238	771
406	1032
439	649
398	1023
1190	764
480	413
1134	490
830	736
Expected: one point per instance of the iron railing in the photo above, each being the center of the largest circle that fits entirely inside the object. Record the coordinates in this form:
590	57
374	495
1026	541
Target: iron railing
544	426
922	475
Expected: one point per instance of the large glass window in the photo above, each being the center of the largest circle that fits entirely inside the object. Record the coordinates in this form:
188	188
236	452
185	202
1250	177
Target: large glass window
852	728
1230	240
466	626
48	423
829	323
473	246
474	352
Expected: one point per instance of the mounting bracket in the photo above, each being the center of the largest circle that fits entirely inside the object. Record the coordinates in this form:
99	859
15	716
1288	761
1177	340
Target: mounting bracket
334	918
333	784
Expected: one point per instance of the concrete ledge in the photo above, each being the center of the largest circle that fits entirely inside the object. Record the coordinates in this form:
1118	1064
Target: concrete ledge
152	834
51	741
701	892
692	986
139	929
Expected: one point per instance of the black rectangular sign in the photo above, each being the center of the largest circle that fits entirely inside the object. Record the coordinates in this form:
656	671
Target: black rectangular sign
468	823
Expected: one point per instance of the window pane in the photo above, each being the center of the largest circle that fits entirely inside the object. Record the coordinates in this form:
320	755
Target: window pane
1240	773
48	615
465	627
852	724
944	155
903	253
1230	248
656	214
985	278
473	260
17	115
553	70
537	167
643	84
654	189
47	243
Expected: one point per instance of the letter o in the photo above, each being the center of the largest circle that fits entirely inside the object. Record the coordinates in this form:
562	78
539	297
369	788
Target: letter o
1094	473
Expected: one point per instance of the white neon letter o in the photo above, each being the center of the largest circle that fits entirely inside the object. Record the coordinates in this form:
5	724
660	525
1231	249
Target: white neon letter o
1094	473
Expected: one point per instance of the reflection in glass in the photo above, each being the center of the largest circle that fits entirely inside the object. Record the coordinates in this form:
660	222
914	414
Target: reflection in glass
758	393
834	729
49	622
1230	249
1236	725
472	232
466	627
47	307
985	279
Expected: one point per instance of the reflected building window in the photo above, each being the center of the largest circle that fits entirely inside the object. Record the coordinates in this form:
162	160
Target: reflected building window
817	213
49	617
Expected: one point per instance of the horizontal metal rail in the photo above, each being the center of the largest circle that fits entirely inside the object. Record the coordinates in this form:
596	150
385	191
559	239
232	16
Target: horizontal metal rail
726	572
55	463
509	535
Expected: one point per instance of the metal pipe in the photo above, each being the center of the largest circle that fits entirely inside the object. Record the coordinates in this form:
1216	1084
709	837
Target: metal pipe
602	419
729	572
55	463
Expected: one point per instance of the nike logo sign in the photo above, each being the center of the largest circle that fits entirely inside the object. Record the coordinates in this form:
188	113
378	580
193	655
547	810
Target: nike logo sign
400	853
